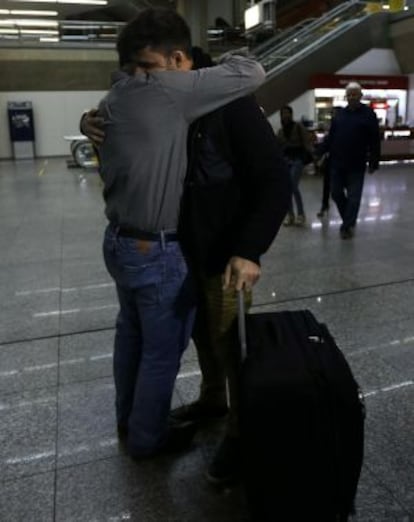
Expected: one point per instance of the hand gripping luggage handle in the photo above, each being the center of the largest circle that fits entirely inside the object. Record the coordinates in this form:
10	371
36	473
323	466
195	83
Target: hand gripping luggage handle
241	323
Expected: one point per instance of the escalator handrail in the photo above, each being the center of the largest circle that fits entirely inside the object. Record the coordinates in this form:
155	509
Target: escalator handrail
285	33
287	60
271	41
335	11
309	29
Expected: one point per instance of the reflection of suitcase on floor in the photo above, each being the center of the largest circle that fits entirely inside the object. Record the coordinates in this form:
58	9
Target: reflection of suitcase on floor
301	421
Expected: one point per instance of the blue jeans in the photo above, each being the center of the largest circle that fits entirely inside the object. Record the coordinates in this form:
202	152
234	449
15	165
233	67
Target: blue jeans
153	328
296	169
346	189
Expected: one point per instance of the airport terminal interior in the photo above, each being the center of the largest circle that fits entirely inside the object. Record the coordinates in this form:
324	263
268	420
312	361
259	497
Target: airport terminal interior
60	457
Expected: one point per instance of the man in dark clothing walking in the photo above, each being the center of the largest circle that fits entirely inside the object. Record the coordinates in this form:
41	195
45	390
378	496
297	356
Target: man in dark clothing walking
353	140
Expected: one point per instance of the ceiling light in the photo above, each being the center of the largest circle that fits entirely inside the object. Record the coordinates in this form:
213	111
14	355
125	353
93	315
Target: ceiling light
24	12
80	2
29	22
4	12
9	31
48	39
92	2
80	26
75	37
39	31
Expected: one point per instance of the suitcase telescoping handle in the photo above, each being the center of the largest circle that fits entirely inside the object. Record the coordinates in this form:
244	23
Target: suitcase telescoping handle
242	323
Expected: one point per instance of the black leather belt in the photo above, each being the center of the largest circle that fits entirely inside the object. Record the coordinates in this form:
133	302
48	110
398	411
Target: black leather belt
146	236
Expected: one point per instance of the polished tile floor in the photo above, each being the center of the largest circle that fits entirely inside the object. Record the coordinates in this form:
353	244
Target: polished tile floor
59	457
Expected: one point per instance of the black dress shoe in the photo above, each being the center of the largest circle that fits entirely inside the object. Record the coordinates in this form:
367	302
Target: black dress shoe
122	430
347	233
179	438
224	468
198	412
323	212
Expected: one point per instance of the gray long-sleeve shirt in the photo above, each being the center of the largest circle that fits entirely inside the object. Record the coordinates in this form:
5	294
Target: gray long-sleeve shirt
143	158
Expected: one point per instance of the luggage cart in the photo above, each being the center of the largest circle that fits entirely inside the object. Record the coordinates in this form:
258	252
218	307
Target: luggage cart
83	152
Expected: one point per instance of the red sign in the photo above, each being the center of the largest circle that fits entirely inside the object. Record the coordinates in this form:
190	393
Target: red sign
379	105
340	81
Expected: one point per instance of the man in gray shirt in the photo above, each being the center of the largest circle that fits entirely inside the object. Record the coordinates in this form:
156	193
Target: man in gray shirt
143	164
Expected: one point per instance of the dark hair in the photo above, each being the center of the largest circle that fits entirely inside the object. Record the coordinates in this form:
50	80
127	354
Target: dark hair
200	58
161	29
287	108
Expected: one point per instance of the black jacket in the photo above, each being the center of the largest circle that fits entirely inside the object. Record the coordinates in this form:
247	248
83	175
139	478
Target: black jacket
354	139
237	188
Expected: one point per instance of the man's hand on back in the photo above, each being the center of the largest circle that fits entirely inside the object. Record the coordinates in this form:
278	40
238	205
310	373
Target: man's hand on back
92	126
240	273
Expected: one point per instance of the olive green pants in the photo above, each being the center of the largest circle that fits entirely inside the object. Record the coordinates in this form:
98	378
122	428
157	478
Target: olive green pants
216	312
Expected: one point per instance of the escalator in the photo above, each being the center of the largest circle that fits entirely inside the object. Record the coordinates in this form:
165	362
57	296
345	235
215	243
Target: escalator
321	45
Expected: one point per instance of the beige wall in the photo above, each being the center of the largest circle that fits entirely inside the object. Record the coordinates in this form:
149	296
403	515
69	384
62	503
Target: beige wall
56	69
402	36
56	114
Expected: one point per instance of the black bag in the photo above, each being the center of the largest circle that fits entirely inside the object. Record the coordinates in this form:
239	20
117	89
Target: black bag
301	421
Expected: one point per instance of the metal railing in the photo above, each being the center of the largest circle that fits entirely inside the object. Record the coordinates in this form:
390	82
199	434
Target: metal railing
62	33
278	52
272	53
281	35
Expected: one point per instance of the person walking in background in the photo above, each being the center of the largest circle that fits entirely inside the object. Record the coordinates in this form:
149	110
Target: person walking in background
326	186
297	149
143	161
324	169
352	141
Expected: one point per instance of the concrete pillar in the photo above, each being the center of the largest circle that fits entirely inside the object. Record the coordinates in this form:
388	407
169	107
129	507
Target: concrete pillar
239	7
195	13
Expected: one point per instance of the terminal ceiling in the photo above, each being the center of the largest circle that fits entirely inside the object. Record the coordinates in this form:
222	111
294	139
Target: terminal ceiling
114	10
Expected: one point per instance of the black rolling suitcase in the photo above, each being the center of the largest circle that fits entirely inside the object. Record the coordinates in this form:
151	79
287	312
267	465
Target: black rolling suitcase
301	420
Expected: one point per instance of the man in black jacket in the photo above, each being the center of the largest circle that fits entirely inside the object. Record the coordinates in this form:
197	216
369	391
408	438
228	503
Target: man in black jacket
237	192
353	140
236	195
